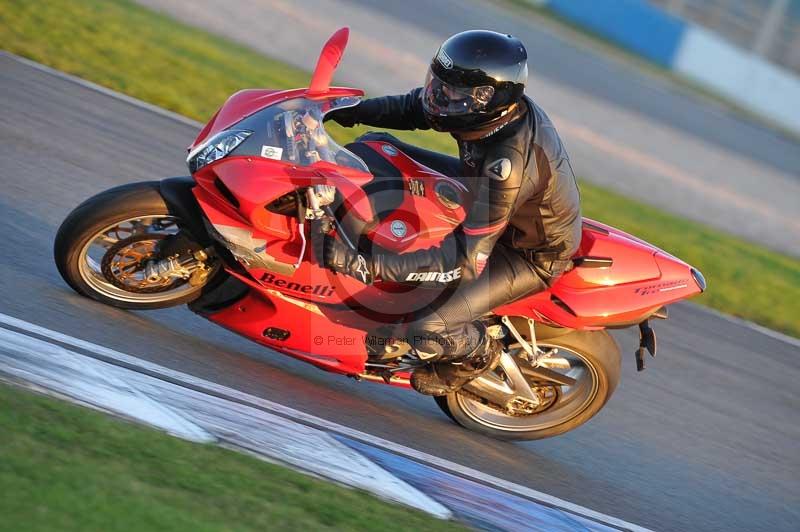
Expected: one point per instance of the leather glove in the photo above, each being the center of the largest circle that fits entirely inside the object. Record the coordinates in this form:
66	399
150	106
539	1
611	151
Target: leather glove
346	116
336	255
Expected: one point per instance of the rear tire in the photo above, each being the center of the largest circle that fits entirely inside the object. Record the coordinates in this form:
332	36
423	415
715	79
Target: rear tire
88	221
598	351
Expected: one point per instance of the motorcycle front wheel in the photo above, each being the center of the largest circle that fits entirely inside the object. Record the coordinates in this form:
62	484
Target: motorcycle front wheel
537	409
103	246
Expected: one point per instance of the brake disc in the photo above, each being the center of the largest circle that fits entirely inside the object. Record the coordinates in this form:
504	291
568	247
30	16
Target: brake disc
124	263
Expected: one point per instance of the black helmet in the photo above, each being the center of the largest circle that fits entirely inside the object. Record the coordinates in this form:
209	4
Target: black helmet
474	79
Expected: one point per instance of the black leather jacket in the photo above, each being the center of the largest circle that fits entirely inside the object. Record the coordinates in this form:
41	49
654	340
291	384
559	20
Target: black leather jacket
525	193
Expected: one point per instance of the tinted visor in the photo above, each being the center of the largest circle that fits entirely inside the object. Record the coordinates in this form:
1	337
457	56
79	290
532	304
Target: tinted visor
443	99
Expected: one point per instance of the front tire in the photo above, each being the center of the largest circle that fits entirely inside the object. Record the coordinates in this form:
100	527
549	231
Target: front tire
129	219
596	359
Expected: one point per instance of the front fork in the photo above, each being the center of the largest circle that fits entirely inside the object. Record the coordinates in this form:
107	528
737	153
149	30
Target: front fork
187	266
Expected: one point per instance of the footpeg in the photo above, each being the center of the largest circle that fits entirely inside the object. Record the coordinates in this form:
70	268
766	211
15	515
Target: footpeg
647	341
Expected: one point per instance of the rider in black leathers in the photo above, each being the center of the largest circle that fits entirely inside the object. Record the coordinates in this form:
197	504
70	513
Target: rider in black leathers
524	224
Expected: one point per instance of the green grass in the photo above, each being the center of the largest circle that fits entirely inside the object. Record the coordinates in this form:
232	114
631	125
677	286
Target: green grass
64	467
120	45
149	56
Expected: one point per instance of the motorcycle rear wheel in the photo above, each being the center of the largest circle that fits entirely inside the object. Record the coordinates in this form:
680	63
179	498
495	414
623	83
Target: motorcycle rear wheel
594	361
127	221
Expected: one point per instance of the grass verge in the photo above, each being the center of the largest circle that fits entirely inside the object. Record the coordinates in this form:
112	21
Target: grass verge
64	467
149	56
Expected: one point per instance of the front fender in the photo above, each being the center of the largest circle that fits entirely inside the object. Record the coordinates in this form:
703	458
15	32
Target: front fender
177	194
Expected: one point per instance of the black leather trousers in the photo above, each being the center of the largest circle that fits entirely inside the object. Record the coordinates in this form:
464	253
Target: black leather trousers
447	332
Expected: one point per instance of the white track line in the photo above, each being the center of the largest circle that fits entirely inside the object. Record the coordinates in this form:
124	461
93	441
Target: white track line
113	356
188	121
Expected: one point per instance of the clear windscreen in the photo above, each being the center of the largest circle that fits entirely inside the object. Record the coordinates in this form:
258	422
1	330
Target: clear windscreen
294	133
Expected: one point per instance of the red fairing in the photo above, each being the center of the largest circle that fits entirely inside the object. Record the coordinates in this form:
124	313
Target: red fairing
426	218
314	336
247	102
304	310
237	107
639	280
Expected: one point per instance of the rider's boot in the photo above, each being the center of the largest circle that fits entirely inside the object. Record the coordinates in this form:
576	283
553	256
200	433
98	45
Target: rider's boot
448	376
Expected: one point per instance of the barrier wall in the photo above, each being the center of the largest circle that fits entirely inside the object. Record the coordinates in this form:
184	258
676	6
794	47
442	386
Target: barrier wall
698	54
741	76
636	25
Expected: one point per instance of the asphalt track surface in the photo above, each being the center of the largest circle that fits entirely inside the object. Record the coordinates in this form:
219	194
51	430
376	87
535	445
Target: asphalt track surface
704	439
640	134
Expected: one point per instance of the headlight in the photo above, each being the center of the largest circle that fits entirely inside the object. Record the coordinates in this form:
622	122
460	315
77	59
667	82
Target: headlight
216	148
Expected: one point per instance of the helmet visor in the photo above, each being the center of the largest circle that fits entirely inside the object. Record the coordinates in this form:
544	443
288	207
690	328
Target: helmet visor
440	98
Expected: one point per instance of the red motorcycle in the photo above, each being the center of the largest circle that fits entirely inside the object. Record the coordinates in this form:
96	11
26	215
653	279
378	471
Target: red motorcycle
232	241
